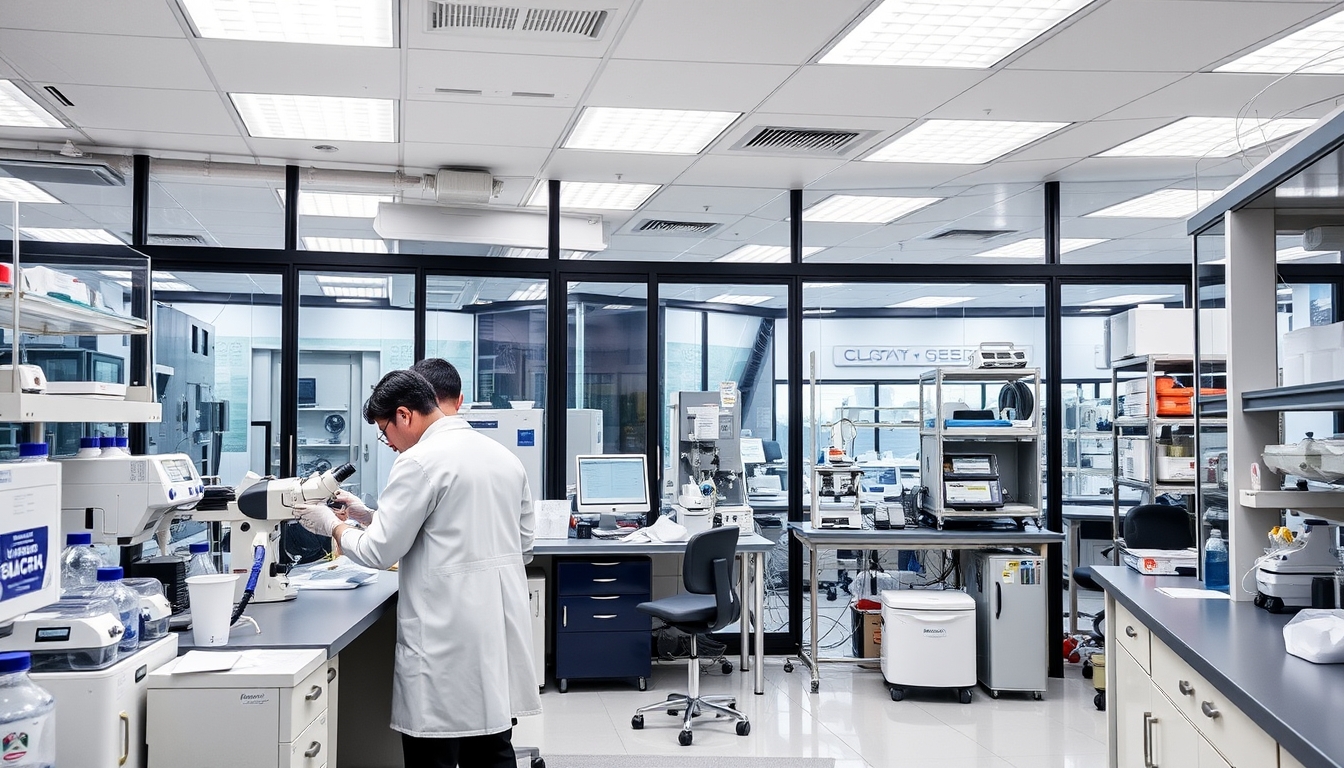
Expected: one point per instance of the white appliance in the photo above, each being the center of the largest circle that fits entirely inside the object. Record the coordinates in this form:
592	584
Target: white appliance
123	499
928	640
1010	625
30	537
1152	329
1283	578
583	437
100	714
536	600
519	430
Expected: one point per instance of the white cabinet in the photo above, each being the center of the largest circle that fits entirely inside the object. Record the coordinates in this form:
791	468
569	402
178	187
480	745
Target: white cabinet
1288	761
1131	697
1171	740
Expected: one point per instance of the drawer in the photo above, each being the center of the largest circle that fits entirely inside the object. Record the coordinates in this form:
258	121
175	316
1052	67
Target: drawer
1129	633
603	654
604	576
307	700
309	750
1229	730
602	613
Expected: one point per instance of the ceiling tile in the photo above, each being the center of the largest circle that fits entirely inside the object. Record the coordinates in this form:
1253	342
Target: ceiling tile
495	41
1058	96
160	144
776	172
1228	94
133	109
498	76
861	175
685	85
144	62
743	31
877	91
126	17
1013	171
384	155
492	125
501	161
724	200
582	165
312	70
1086	139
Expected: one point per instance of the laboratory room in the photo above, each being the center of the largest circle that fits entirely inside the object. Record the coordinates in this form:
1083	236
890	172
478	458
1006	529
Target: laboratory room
648	383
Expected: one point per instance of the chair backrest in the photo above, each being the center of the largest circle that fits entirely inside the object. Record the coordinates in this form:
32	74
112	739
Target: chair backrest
772	450
1158	526
707	569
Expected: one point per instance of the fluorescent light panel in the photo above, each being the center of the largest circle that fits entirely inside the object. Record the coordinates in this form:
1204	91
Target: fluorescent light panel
18	190
1034	248
316	118
658	131
765	254
1126	298
350	206
972	34
533	292
326	22
595	195
172	285
344	244
69	235
865	209
961	142
1313	50
738	298
1295	253
818	311
931	302
19	110
350	280
1208	137
536	253
1162	204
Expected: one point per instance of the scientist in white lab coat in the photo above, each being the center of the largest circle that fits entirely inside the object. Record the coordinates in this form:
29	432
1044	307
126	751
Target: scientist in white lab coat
457	514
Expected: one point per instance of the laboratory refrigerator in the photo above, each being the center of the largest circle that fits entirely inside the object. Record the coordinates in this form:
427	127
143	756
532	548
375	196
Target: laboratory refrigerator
1010	615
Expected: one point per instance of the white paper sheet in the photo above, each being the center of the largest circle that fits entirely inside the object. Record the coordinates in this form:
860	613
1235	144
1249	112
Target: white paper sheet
1185	593
552	519
206	661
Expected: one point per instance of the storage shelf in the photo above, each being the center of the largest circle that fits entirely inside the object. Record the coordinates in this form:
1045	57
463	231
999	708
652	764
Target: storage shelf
53	317
1213	405
75	409
991	433
874	424
1325	396
1292	499
1174	421
1168	360
1181	488
301	446
1007	510
980	375
303	408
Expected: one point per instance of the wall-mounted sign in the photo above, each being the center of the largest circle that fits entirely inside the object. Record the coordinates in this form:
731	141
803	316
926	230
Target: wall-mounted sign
908	355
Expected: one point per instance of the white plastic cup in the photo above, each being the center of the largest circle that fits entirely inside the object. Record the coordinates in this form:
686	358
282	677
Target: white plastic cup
211	606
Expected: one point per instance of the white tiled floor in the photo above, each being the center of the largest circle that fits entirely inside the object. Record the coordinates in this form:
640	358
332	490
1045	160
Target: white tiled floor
852	719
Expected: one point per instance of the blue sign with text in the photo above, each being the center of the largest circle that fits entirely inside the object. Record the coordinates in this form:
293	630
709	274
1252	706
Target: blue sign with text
527	437
23	562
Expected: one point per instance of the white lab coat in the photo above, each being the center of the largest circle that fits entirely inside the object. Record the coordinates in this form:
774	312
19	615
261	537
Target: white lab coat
457	513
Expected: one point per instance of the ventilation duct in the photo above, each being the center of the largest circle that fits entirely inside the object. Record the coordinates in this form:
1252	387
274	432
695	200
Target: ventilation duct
482	226
524	22
52	171
465	186
823	142
667	227
971	234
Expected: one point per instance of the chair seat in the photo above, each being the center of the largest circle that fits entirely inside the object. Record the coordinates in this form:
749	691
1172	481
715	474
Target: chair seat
684	609
1085	577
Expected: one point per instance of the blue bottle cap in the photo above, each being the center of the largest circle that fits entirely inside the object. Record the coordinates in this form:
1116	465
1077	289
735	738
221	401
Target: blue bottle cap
107	442
110	573
32	449
15	661
78	539
123	442
88	442
200	547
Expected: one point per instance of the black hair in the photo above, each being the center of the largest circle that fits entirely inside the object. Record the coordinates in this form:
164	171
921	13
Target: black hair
400	389
442	375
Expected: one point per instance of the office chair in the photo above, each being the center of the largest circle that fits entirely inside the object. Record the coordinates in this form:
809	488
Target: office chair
708	605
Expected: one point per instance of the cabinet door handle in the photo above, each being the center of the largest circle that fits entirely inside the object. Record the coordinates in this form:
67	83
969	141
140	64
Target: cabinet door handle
125	738
1129	632
314	694
603	597
331	674
605	564
603	581
1148	721
1186	688
564	616
604	615
1208	709
312	750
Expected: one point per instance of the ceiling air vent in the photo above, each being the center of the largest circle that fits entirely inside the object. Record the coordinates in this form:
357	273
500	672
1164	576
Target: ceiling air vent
970	234
173	239
666	227
802	141
459	17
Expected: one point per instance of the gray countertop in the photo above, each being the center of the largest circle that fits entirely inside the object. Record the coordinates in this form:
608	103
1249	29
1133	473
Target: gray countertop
1239	649
753	543
930	538
325	619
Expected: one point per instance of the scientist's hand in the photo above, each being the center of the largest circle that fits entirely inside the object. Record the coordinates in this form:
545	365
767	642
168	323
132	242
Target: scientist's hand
318	518
354	509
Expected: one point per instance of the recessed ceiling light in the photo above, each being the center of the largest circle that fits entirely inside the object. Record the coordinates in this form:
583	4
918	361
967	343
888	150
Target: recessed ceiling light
335	118
1126	298
172	285
533	292
820	285
1294	253
535	253
595	195
350	280
738	298
326	22
1162	204
344	244
765	254
865	209
69	235
348	205
1310	50
931	302
1095	309
352	287
961	142
164	275
970	34
618	306
818	311
117	274
19	110
354	301
1208	137
18	190
1034	248
660	131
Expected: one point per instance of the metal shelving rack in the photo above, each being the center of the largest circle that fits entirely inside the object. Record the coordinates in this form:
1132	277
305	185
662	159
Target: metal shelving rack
1017	448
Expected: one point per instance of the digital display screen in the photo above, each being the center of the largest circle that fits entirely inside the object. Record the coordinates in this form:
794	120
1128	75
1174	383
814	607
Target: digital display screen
612	480
177	470
971	465
52	634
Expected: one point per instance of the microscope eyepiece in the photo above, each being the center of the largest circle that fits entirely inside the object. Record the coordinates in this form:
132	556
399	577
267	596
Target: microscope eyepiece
342	472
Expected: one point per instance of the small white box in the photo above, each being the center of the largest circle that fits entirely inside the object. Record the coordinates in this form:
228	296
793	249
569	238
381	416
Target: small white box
1160	562
1314	338
1134	458
1156	330
1294	370
1175	469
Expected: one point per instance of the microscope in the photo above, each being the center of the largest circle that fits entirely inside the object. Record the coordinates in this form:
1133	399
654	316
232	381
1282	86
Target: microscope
262	504
711	479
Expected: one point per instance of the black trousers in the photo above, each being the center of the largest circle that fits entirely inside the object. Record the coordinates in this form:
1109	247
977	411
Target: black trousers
494	750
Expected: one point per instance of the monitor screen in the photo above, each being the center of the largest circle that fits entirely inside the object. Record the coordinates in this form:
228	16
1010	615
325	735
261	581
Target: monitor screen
307	392
615	484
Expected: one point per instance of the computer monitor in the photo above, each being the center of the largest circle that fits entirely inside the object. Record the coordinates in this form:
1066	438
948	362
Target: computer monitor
307	393
613	484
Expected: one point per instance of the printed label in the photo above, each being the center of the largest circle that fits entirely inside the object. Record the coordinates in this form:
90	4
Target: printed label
527	437
22	742
935	632
23	562
253	699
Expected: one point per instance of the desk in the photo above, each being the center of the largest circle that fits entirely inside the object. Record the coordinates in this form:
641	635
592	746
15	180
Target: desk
752	550
1074	517
902	538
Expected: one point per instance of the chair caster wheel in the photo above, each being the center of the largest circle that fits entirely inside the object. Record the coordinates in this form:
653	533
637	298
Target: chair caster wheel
788	666
643	684
727	667
1099	701
897	694
1087	671
1259	600
964	695
538	762
684	738
743	728
637	722
563	685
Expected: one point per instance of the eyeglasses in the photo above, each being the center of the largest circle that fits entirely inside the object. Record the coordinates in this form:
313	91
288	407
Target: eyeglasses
382	434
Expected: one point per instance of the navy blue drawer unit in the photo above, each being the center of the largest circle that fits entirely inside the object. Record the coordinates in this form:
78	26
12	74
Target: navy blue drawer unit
598	632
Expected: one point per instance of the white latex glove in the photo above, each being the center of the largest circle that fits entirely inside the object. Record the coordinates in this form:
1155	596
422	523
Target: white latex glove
318	518
354	508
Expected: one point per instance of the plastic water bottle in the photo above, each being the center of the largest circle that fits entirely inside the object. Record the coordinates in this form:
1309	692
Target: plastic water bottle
128	606
32	452
1215	562
26	724
88	448
79	563
200	563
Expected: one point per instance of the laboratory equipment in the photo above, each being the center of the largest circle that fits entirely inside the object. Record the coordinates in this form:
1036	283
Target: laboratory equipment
200	563
536	599
30	517
1283	577
25	715
79	563
73	633
128	606
30	378
1311	459
1010	622
255	517
155	610
998	354
928	641
971	481
123	499
1215	562
519	430
837	496
617	484
710	474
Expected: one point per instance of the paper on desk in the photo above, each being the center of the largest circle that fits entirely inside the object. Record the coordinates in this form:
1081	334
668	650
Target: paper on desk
1193	594
552	519
206	661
